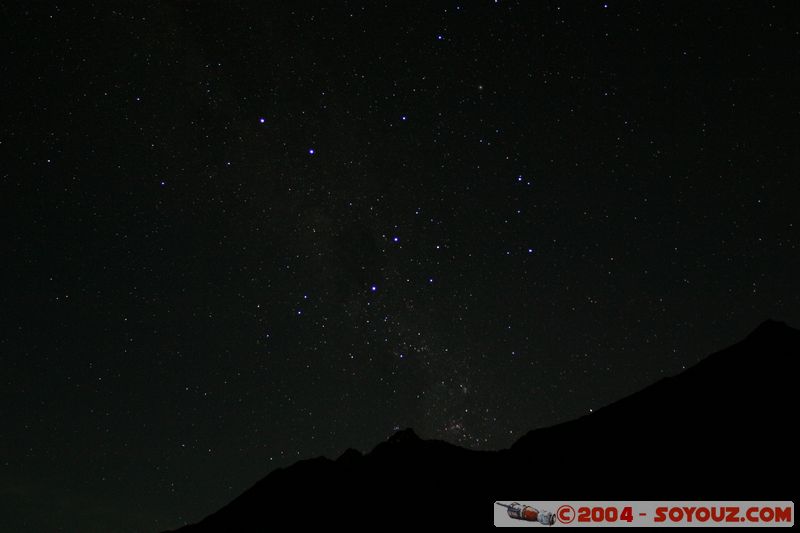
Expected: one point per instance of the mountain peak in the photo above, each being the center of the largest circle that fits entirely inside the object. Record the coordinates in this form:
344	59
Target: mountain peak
770	326
403	436
774	336
350	455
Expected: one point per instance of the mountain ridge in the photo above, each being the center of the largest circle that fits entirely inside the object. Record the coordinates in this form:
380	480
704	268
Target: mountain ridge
683	437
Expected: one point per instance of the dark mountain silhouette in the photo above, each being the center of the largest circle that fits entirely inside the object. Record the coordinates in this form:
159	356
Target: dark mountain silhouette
719	430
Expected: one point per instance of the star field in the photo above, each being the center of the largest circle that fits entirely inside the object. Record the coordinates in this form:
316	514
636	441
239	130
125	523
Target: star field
237	236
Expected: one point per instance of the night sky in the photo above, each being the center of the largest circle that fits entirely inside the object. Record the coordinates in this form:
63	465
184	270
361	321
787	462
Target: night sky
237	237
